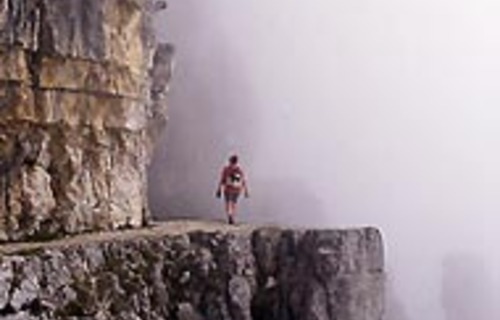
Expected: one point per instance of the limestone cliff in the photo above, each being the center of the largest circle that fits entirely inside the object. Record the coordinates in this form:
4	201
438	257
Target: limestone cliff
189	271
76	104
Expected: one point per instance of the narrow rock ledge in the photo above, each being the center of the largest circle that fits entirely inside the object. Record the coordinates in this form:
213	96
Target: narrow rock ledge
197	270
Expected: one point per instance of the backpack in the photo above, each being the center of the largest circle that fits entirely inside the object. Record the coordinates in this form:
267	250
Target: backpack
234	178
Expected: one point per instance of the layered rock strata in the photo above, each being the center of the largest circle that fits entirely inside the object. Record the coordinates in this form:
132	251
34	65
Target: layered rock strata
76	103
237	274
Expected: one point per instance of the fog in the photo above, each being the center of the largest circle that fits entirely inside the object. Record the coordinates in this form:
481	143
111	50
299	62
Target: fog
345	114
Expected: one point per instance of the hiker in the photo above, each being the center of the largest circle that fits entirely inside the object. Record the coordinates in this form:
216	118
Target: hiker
232	183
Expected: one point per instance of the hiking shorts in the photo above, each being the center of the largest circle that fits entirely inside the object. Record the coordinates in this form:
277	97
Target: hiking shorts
231	196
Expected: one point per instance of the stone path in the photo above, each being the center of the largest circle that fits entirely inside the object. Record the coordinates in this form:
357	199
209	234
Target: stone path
158	229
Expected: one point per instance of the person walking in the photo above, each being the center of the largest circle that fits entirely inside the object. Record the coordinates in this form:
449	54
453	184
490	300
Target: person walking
231	184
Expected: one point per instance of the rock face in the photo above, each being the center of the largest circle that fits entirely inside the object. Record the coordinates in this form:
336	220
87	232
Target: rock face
261	274
76	103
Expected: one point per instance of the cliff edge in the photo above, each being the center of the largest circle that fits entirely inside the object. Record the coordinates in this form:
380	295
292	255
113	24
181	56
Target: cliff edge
195	270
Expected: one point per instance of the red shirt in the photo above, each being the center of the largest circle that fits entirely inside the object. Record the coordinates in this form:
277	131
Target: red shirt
232	178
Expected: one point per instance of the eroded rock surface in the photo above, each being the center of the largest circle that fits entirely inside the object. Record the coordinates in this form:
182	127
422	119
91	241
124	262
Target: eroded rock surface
220	274
81	96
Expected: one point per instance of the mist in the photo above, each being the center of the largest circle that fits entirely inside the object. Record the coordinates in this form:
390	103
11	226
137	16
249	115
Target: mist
346	114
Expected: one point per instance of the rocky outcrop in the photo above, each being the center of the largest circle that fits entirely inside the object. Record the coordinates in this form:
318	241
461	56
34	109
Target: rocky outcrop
76	108
236	273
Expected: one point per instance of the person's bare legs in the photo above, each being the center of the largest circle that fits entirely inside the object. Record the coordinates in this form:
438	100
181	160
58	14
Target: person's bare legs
230	211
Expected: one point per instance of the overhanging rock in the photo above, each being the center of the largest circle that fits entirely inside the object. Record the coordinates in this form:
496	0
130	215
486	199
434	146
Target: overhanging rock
77	101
